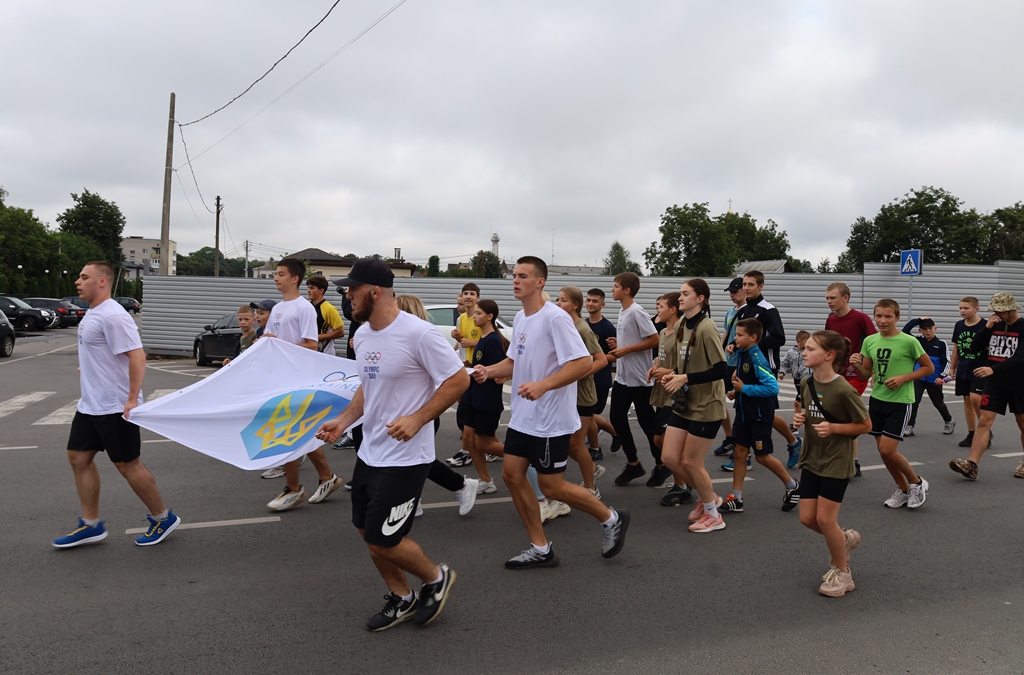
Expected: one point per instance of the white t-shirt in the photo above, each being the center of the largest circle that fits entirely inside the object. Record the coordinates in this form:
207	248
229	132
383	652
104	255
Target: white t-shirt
634	327
105	334
293	321
541	344
400	368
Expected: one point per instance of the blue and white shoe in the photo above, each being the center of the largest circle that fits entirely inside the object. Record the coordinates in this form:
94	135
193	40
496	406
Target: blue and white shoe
158	529
794	452
728	466
83	534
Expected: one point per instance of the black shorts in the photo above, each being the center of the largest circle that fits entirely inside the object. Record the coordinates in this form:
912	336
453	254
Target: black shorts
112	433
482	422
963	386
602	400
887	418
978	385
997	398
728	378
662	416
460	414
813	486
698	429
586	410
546	455
384	500
754	435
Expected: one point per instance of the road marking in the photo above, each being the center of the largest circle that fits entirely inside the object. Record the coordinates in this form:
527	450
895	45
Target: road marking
882	466
442	505
20	447
18	402
159	393
212	523
1009	454
62	415
159	440
23	358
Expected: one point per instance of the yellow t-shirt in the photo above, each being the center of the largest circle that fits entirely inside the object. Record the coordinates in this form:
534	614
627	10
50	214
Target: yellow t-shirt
469	331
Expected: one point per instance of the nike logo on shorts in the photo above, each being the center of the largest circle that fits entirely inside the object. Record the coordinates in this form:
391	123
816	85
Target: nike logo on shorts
399	514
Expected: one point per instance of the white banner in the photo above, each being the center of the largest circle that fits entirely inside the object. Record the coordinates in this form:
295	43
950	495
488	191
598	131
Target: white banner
259	411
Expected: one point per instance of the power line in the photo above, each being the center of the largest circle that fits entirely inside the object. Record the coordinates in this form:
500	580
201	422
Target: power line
317	25
190	203
189	163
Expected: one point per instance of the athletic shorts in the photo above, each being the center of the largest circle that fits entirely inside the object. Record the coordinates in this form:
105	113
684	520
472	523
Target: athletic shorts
731	370
482	422
587	410
813	486
112	433
546	455
996	399
858	384
887	418
978	385
460	414
963	386
662	416
384	500
698	429
602	401
754	435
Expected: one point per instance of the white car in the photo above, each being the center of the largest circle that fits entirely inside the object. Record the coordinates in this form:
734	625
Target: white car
446	316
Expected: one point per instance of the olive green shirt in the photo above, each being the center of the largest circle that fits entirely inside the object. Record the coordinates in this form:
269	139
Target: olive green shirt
586	392
667	358
830	457
704	402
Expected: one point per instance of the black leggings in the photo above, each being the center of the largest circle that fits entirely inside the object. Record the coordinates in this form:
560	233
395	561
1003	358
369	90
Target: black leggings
640	398
934	394
442	474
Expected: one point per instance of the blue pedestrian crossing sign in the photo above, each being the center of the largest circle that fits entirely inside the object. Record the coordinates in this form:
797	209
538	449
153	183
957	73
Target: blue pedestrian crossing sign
910	262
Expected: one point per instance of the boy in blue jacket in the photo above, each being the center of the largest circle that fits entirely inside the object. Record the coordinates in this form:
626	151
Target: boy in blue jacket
755	396
938	352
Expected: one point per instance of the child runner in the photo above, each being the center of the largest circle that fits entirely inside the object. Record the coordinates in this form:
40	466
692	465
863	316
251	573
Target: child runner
484	403
835	414
889	356
938	352
966	356
756	392
698	404
603	329
465	335
262	309
739	299
246	316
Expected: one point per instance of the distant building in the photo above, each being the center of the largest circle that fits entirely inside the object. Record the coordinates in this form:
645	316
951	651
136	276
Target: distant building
145	253
330	265
578	270
763	266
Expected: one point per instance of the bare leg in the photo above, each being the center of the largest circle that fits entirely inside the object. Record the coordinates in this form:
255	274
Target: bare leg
319	462
87	481
821	516
782	426
513	472
694	451
898	465
727	425
739	466
981	435
771	463
291	475
143	483
394	561
469	444
578	451
592	434
970	414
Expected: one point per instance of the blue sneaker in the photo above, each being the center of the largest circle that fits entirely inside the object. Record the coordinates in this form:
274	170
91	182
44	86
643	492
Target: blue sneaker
83	534
728	466
158	529
794	452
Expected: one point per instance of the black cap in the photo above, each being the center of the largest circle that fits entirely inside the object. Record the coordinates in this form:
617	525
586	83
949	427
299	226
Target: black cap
267	304
735	286
926	323
368	271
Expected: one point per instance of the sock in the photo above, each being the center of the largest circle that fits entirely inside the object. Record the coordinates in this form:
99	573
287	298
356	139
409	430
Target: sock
729	440
738	494
543	550
408	598
711	509
160	516
612	519
440	577
91	522
791	484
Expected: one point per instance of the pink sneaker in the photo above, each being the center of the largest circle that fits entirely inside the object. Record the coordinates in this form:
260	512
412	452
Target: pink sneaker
708	523
852	542
698	510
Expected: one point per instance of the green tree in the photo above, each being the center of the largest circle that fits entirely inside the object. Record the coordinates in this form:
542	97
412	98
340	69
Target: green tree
96	218
753	242
692	244
434	266
618	260
200	264
1005	230
486	265
825	267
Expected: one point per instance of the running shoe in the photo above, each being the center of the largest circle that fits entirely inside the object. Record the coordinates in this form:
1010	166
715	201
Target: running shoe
676	496
964	467
731	504
419	511
707	523
273	472
1019	473
596	454
856	469
492	458
968	440
947	427
599	471
348	485
158	529
794	452
659	475
345	442
616	444
726	448
596	491
836	583
898	499
615	535
629	473
460	458
852	542
467	496
698	510
288	499
730	465
486	487
433	596
531	557
917	493
81	535
792	498
991	437
395	611
908	431
553	508
325	489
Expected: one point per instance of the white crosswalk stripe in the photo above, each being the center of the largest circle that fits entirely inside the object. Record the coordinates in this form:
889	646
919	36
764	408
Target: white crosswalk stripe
15	404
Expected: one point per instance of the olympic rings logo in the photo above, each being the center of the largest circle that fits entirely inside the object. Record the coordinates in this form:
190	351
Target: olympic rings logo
372	357
339	376
522	338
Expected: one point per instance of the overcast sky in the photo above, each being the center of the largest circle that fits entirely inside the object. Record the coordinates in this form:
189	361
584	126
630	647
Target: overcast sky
558	125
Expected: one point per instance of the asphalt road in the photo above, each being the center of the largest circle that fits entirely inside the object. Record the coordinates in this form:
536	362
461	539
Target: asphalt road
938	589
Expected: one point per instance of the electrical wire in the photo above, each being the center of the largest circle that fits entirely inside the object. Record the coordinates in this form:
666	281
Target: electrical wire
178	176
189	163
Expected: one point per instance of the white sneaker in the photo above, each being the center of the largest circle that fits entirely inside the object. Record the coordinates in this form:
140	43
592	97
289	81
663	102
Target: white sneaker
486	487
287	500
273	472
898	499
493	458
596	491
419	511
467	495
324	490
599	471
552	509
916	494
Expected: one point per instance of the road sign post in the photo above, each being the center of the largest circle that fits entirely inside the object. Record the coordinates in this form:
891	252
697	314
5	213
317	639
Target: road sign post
910	266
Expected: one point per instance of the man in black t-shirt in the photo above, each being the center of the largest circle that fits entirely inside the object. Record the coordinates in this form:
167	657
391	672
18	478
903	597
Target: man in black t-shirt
965	356
603	329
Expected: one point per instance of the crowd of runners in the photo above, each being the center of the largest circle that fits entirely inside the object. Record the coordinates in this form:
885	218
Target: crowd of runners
680	372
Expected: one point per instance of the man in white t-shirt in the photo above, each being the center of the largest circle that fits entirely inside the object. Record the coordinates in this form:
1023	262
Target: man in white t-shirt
545	359
111	367
408	376
294	320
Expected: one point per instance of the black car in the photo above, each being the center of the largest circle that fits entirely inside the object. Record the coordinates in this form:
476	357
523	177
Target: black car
6	336
69	314
77	302
131	304
24	316
218	342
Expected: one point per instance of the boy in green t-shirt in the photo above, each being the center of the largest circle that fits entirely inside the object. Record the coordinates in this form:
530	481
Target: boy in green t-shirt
889	357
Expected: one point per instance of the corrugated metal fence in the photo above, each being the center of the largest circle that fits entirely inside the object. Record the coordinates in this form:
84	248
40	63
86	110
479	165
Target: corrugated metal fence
176	307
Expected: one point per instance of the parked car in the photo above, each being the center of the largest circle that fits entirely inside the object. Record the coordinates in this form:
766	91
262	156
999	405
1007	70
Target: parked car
131	304
6	336
218	341
445	317
68	314
77	302
24	316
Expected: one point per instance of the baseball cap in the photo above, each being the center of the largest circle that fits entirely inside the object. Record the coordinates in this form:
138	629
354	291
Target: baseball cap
267	304
926	323
368	271
735	286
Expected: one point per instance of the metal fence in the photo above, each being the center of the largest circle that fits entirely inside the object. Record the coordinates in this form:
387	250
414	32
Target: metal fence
177	307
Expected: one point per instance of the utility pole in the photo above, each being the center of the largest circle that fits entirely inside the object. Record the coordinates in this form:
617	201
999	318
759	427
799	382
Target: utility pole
216	241
245	270
165	218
